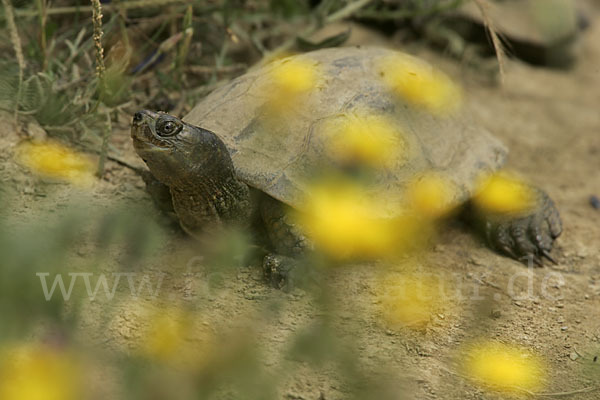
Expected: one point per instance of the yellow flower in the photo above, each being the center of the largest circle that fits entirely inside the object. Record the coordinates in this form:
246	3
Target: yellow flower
288	84
417	82
54	160
293	76
341	221
503	367
431	195
34	372
345	222
504	193
372	140
175	336
409	300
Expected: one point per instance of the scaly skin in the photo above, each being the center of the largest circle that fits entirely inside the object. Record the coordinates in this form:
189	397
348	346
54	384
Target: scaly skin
196	168
523	237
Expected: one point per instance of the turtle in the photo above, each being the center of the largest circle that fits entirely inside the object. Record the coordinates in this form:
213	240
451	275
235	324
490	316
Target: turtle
245	153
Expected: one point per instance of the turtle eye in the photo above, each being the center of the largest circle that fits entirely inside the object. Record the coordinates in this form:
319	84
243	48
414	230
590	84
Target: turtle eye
168	128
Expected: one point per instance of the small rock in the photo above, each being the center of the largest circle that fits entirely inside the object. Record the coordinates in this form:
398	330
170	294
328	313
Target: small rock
496	313
37	133
595	202
564	328
573	356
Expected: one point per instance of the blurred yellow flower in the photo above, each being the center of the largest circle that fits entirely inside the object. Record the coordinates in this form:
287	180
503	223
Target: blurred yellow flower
371	140
54	160
419	83
503	367
410	299
288	84
35	372
341	220
431	195
346	222
175	336
504	193
293	76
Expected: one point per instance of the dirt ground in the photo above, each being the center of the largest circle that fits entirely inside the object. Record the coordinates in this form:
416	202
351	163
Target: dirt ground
550	121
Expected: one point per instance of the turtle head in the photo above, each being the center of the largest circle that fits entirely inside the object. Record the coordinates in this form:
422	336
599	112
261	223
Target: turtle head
177	153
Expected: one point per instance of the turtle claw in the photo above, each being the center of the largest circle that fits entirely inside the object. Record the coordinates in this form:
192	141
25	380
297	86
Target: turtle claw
287	273
547	256
526	237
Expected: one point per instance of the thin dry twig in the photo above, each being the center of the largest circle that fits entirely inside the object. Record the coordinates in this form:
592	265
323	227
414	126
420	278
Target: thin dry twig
16	42
494	36
530	393
562	394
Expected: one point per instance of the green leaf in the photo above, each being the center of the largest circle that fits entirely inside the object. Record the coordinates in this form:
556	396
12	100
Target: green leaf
331	41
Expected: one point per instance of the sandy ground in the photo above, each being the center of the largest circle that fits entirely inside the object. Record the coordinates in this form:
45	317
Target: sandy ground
550	121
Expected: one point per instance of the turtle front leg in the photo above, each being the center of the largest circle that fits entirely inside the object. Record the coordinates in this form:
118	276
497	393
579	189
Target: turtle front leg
284	268
160	193
522	236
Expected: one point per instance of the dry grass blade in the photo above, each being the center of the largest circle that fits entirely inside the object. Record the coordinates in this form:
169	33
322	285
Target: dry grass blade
490	26
16	42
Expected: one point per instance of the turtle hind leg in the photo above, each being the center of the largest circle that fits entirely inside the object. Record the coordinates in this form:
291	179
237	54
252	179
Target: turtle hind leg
523	237
284	267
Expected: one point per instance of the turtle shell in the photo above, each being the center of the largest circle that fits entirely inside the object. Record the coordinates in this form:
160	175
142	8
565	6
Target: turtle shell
279	133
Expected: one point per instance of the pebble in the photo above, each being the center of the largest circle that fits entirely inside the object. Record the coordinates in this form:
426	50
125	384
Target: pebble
564	328
595	202
37	133
496	313
573	356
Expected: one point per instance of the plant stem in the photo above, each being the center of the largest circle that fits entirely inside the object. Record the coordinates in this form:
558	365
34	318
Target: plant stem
100	72
104	149
16	42
43	17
